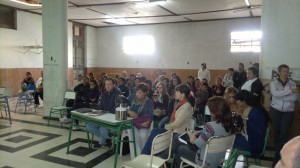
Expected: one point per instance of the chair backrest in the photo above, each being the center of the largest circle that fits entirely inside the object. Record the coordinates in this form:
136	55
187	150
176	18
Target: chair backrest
160	143
217	144
70	95
266	140
207	111
31	87
191	124
2	91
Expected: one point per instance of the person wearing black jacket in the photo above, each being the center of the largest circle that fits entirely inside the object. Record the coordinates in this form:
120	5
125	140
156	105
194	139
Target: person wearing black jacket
239	77
107	102
82	92
254	84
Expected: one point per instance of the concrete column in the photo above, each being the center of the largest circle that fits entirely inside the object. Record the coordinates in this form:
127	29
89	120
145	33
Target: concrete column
280	23
55	52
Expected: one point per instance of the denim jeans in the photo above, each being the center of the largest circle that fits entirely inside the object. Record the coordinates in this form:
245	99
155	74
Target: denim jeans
281	123
163	122
100	132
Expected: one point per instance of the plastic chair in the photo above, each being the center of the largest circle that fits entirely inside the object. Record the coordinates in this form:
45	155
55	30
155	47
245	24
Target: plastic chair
69	95
160	143
26	97
126	133
247	154
191	125
214	144
206	114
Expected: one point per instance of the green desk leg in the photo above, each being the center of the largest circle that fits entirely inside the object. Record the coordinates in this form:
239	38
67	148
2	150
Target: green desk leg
70	134
117	146
133	139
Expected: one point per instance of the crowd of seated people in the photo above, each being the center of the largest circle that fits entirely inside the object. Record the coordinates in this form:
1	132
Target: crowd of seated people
168	105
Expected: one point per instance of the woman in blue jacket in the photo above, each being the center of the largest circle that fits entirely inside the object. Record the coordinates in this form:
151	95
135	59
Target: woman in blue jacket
256	119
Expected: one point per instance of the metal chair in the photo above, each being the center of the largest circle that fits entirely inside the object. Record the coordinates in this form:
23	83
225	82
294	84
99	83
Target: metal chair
69	95
214	144
231	160
4	103
26	97
247	154
160	143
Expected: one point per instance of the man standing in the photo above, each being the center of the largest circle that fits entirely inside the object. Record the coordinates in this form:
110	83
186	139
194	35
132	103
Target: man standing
203	72
228	78
239	77
77	81
282	108
106	103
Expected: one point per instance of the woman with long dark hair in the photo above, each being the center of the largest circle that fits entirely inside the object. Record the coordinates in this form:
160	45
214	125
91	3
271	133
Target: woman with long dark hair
161	101
220	125
179	120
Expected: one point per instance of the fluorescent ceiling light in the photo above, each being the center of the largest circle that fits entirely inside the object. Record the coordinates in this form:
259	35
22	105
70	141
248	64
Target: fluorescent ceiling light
118	21
247	2
157	0
28	3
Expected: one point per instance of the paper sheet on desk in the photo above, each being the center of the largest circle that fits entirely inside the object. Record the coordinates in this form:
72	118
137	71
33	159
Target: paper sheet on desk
108	117
95	113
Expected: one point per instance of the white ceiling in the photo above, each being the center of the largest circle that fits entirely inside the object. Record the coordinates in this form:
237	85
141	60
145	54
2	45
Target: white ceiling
100	13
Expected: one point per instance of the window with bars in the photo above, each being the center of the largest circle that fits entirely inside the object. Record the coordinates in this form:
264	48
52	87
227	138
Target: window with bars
7	17
245	41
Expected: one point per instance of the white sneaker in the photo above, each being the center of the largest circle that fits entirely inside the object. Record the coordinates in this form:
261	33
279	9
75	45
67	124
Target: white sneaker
75	128
65	120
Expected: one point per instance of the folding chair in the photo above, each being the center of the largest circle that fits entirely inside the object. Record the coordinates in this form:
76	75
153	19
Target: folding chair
4	103
214	144
26	97
160	143
69	95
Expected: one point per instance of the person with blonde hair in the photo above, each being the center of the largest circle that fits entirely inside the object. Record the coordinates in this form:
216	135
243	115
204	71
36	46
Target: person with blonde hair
229	94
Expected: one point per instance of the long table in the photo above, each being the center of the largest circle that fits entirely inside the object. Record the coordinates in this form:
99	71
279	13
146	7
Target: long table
106	120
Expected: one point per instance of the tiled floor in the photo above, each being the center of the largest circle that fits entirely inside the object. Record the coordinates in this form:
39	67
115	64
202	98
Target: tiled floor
29	142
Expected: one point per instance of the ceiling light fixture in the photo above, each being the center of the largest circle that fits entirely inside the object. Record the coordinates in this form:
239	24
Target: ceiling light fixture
247	2
158	2
28	2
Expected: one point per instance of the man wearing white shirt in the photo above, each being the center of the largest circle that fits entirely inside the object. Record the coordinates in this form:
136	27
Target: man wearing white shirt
77	81
284	95
203	72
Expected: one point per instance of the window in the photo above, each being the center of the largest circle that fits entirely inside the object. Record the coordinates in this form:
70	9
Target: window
7	17
245	41
138	45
